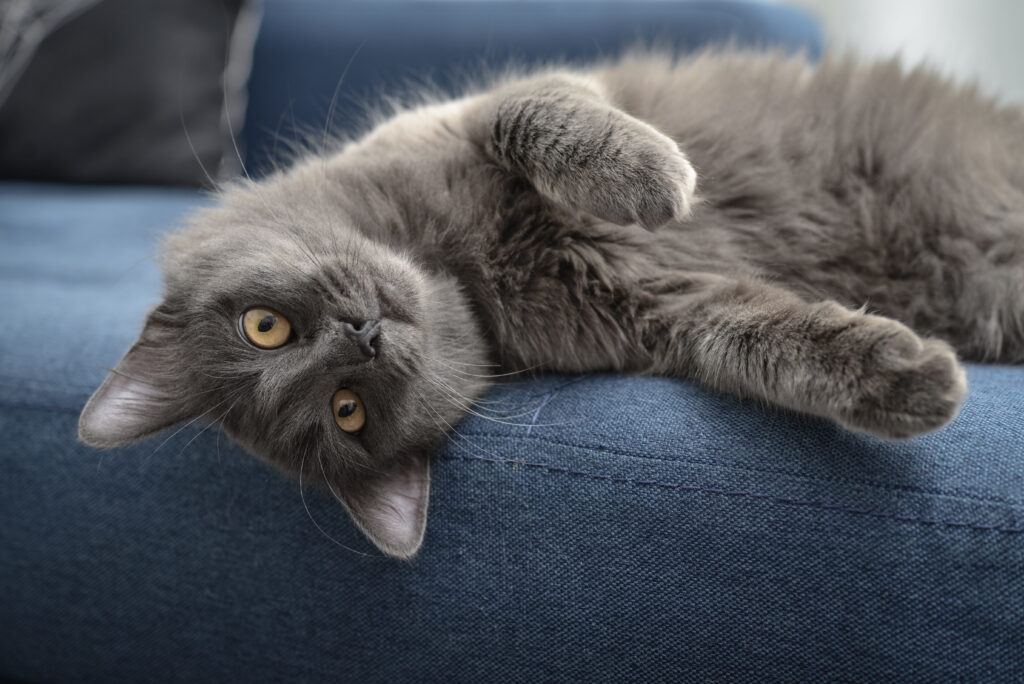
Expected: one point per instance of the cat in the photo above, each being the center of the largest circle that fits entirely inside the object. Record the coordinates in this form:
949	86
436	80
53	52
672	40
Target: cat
769	228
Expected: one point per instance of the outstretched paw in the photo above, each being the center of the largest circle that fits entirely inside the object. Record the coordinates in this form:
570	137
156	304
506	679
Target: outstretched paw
906	385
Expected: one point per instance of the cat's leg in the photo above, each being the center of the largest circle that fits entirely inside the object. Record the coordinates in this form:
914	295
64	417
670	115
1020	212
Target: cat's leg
869	373
560	133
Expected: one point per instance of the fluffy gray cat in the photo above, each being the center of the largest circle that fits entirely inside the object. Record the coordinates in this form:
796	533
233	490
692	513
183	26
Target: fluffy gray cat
336	317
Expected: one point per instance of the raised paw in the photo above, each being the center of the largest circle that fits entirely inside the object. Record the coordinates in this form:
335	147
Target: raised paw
903	385
586	155
644	178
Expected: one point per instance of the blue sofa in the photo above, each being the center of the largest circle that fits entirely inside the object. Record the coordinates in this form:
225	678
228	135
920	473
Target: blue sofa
624	529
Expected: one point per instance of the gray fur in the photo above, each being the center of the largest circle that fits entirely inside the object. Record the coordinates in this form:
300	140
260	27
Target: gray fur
552	222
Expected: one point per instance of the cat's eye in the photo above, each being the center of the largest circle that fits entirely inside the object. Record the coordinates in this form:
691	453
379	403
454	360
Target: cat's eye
348	411
265	328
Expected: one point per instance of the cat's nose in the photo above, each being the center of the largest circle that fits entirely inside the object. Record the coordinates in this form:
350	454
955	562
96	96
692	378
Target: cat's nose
364	335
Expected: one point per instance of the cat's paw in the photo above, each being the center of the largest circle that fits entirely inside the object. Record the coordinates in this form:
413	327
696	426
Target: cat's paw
585	154
646	180
905	386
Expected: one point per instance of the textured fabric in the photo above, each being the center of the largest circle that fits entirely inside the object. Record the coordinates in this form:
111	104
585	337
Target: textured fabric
609	527
323	59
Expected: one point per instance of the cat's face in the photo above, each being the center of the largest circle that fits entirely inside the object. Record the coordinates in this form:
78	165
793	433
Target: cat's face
327	354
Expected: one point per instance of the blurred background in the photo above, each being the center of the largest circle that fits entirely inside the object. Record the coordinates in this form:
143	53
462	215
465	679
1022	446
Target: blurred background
968	39
180	92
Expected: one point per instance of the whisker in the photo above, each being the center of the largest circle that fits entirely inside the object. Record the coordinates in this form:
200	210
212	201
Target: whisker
481	365
173	434
215	422
334	97
455	433
188	138
440	384
486	375
302	496
439	381
227	119
470	410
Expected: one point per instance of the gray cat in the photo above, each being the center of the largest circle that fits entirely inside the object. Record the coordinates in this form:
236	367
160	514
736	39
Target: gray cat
337	317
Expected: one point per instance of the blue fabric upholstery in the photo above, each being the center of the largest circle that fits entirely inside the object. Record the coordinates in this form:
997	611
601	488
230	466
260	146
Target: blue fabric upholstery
621	528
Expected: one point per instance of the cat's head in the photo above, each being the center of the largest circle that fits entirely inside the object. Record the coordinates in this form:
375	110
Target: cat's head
329	355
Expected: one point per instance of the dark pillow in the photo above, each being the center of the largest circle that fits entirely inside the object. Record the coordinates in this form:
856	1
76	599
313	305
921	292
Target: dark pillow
128	92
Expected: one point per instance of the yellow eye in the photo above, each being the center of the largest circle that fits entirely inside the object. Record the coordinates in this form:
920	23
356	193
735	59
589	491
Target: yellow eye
266	328
348	411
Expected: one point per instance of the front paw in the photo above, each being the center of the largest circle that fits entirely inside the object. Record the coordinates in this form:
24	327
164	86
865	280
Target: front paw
645	179
589	156
904	385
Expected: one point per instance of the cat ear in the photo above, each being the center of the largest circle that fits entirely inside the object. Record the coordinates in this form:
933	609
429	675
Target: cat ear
138	398
391	507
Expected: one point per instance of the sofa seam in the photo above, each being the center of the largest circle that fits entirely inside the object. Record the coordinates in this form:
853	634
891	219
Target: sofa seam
813	478
733	493
890	488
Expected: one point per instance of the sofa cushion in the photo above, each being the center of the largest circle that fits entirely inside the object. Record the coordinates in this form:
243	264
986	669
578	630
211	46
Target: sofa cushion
616	527
119	91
